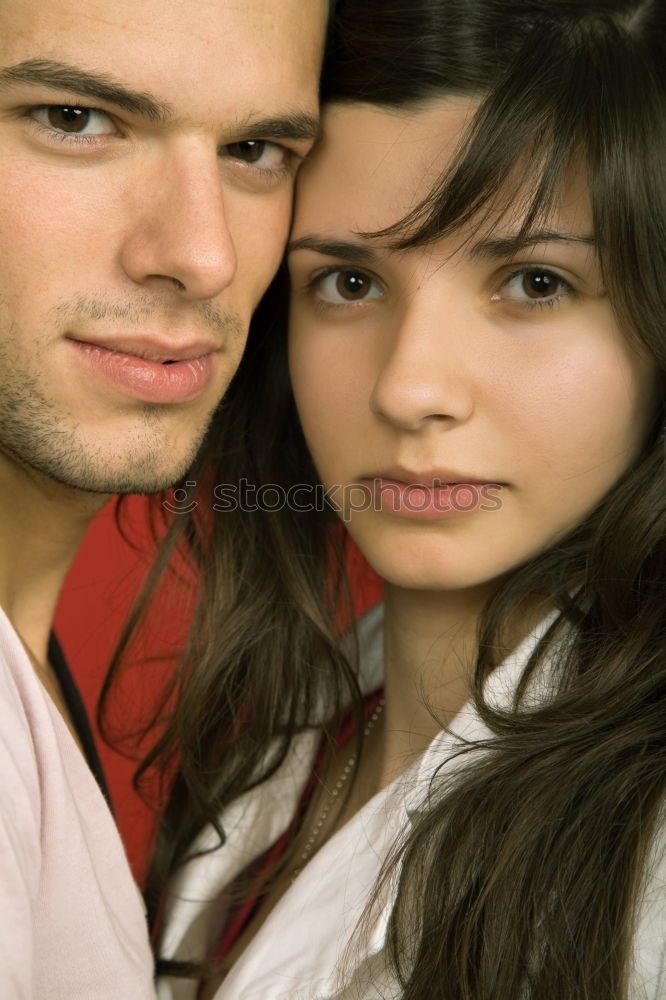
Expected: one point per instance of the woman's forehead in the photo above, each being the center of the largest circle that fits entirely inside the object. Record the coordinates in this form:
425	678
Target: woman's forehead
375	165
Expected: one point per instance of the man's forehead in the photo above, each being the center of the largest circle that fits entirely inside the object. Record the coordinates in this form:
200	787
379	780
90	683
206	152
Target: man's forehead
191	57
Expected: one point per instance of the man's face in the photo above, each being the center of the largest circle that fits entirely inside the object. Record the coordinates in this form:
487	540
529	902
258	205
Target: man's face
147	155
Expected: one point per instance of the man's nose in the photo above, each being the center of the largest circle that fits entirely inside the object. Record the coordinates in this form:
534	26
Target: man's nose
180	235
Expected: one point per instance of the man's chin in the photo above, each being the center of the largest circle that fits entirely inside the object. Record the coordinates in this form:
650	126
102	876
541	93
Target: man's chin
149	475
125	484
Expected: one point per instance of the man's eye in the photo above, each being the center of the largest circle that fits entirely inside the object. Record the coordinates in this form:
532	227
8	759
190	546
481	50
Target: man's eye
342	286
259	153
69	119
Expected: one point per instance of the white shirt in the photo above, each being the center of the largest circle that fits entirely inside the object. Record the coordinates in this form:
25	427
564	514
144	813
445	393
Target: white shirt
300	950
72	922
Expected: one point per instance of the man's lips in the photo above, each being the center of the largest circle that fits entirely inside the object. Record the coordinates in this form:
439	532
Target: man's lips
159	349
150	371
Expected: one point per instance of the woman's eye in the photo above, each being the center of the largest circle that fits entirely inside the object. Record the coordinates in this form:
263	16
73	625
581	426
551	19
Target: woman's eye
534	286
346	286
260	153
68	119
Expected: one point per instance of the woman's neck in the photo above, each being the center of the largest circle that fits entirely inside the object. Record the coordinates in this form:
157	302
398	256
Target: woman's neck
430	648
430	651
430	654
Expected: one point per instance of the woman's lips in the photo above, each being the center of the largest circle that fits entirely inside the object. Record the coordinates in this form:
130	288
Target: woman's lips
433	501
177	381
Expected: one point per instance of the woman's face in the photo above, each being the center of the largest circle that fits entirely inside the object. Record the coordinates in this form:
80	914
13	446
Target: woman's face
464	406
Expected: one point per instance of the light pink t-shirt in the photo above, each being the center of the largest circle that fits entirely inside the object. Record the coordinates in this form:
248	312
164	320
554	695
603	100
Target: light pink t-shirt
72	924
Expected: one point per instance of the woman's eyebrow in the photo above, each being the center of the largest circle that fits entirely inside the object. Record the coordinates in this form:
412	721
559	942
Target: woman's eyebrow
505	246
354	253
492	247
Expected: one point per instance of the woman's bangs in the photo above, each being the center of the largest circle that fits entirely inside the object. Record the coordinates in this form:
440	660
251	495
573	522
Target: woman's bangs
563	100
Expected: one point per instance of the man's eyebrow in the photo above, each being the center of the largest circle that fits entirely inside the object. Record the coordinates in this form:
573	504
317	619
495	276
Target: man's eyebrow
353	253
291	125
98	86
507	246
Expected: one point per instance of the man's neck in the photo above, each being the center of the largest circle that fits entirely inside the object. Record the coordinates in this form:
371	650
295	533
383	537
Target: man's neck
42	524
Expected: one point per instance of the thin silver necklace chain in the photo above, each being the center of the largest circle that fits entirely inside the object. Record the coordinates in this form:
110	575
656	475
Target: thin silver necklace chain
311	842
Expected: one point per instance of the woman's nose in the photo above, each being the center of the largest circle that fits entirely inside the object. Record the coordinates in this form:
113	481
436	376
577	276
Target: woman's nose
426	373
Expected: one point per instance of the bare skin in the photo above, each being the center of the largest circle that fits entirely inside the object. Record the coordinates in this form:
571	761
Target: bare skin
37	545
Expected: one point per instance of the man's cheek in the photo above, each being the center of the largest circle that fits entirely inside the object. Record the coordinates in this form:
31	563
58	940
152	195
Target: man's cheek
260	244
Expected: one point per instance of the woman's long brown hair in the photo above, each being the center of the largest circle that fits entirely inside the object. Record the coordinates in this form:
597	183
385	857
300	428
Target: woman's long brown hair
523	880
